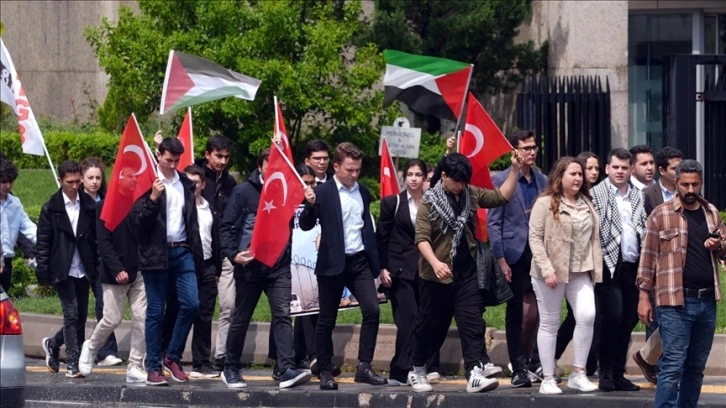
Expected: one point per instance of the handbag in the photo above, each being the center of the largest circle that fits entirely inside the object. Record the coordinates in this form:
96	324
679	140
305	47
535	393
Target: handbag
492	285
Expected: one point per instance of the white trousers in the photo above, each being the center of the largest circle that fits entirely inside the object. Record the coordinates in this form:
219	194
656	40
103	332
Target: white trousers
227	294
580	293
114	304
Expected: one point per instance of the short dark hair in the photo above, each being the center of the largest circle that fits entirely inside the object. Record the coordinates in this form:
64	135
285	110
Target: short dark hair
315	145
689	166
457	167
429	168
195	170
69	167
264	155
8	171
520	136
415	162
171	145
665	154
218	142
347	149
304	170
638	149
621	154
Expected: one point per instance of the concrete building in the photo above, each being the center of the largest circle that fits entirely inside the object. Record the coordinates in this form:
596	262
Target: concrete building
625	41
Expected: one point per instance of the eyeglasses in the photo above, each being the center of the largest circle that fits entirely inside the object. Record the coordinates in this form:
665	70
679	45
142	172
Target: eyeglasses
528	149
320	158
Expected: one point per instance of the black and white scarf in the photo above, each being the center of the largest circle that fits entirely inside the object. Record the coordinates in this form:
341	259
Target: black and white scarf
439	201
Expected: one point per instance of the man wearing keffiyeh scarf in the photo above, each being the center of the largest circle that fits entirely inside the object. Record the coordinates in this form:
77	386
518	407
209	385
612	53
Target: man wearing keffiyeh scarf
445	225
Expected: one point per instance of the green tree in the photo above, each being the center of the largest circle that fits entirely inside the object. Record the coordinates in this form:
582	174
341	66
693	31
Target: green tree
302	50
480	32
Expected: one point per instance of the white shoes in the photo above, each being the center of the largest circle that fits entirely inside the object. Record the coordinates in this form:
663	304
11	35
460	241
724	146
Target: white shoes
580	382
135	375
478	382
88	356
549	387
417	379
490	370
110	361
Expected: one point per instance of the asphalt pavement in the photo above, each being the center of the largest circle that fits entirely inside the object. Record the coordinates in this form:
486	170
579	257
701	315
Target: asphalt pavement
106	387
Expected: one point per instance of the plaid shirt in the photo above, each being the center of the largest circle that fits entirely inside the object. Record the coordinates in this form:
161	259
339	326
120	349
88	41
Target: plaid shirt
664	251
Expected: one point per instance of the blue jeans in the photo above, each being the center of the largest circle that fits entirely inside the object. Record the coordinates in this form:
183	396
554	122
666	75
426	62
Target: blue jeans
182	275
687	333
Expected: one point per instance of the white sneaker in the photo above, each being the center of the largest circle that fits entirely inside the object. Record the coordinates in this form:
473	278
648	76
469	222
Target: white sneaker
110	361
478	382
549	387
419	382
85	362
433	377
490	370
580	382
135	375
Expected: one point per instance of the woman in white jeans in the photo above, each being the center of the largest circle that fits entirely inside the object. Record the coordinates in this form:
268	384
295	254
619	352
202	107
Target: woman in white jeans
566	261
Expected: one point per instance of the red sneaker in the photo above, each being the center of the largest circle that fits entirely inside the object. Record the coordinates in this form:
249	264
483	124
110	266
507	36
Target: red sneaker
174	367
156	378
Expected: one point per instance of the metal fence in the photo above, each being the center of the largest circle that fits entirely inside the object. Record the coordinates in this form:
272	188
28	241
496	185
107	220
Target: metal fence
568	114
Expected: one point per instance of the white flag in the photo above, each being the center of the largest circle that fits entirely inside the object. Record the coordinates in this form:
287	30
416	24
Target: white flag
13	94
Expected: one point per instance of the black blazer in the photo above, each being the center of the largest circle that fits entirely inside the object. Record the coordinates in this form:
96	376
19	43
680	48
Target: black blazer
395	236
327	209
117	248
652	197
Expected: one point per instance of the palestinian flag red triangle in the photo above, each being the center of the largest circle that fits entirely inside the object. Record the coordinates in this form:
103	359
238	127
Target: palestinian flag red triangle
191	80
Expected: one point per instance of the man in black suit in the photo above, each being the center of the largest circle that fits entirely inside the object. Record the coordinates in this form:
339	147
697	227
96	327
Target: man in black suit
347	257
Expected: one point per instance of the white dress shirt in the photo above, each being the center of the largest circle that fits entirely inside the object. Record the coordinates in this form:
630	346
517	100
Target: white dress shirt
412	208
204	214
73	211
174	189
629	237
351	205
667	195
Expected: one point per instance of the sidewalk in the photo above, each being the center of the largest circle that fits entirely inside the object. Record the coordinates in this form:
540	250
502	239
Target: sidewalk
107	387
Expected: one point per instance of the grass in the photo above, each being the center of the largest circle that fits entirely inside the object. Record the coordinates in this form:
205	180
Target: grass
34	186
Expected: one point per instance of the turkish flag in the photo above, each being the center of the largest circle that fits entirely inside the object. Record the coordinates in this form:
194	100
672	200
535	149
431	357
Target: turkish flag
482	142
281	131
133	175
389	178
186	138
282	193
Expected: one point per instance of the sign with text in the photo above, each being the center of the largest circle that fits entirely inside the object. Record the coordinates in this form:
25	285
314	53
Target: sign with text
402	142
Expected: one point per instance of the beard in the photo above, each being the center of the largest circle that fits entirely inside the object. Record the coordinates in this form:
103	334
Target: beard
690	198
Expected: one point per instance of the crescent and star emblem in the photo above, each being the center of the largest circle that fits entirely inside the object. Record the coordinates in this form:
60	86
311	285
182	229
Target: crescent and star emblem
478	135
135	149
269	206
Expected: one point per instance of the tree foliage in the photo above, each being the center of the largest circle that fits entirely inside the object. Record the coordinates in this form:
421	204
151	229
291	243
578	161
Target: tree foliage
479	32
302	50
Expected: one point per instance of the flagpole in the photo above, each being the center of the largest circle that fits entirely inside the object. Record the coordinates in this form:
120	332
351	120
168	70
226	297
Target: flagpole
50	163
457	130
282	153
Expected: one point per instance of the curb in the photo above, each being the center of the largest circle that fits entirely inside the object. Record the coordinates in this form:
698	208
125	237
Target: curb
37	326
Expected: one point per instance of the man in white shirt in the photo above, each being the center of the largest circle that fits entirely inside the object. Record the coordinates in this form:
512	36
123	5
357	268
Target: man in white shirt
643	167
66	254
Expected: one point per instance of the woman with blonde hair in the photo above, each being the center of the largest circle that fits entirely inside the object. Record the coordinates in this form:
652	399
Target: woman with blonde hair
566	262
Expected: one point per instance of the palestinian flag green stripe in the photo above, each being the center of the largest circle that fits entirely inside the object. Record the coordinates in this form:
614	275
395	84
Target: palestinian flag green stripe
423	64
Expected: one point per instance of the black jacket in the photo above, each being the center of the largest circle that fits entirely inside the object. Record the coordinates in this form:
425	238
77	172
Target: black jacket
395	237
57	243
237	227
217	191
150	220
117	249
331	254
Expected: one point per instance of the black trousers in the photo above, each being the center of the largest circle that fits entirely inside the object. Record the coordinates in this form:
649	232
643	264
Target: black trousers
73	295
202	332
109	348
6	276
404	298
438	304
304	335
279	295
566	331
618	304
521	283
358	278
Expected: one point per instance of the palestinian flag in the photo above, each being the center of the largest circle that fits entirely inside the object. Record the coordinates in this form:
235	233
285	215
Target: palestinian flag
191	80
428	85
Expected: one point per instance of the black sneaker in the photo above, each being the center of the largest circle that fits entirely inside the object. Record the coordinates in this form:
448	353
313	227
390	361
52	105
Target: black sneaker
205	371
51	356
292	377
233	379
520	379
73	371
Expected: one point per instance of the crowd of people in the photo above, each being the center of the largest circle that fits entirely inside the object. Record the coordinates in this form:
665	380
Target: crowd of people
618	248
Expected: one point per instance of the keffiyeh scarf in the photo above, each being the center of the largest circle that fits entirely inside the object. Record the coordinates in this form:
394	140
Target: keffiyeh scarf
439	201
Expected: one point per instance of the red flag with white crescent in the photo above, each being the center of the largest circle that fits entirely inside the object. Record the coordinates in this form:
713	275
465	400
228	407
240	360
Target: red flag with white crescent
281	132
133	175
389	178
482	142
186	137
282	193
